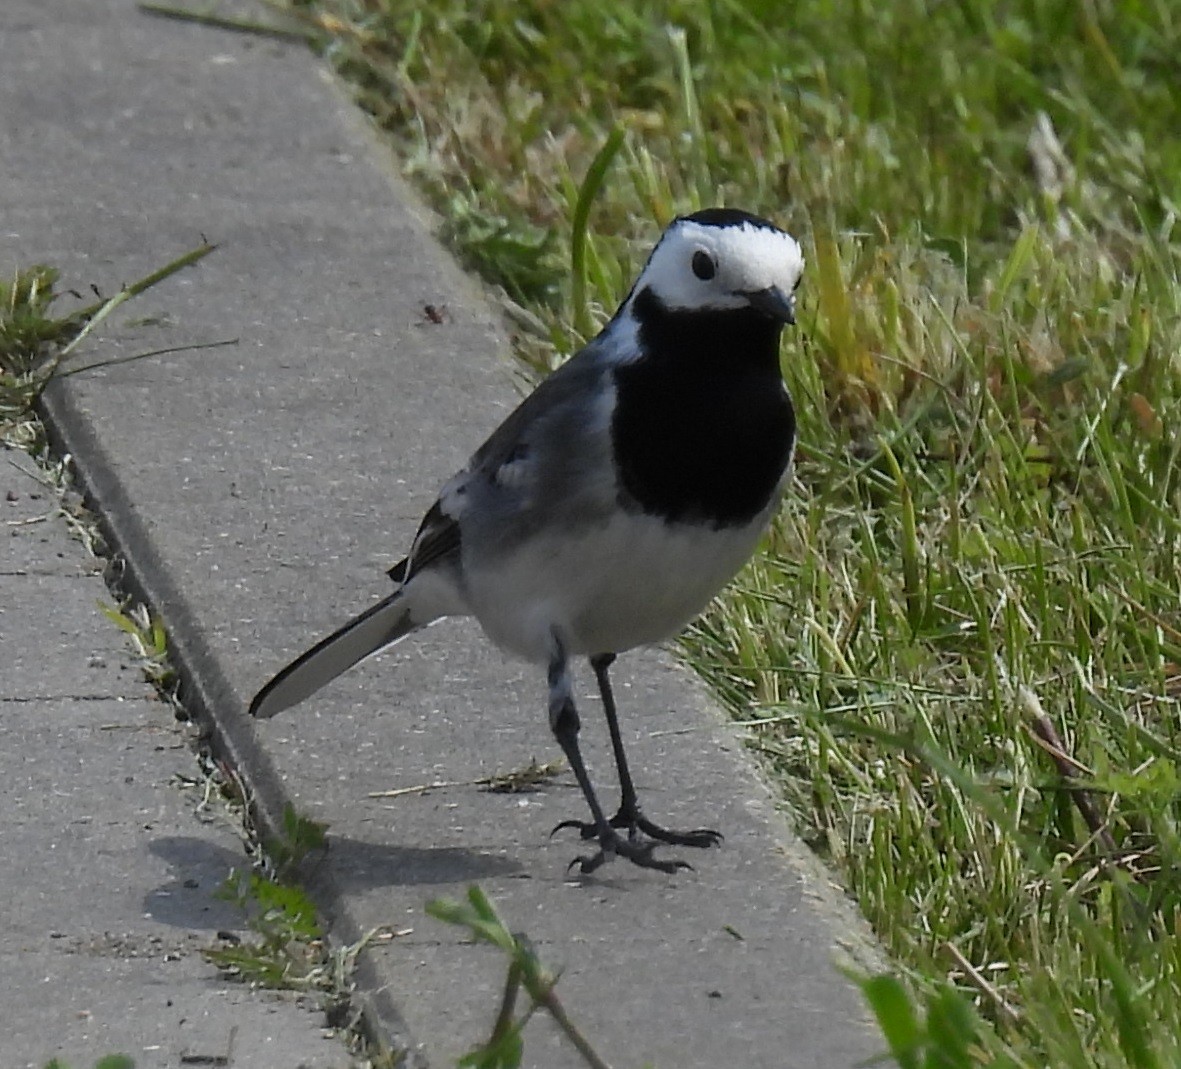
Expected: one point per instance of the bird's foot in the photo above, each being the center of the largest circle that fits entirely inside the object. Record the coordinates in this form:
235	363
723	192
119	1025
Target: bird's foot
636	851
635	821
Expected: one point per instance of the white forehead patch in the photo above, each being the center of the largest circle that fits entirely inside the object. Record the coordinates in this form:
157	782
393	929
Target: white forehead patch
746	258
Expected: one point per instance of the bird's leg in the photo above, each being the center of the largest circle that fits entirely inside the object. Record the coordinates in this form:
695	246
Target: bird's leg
565	724
629	815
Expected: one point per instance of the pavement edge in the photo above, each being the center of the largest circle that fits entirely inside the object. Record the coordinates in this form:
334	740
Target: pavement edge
207	696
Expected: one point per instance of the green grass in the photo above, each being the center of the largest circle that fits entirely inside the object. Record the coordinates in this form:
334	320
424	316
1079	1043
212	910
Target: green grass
38	342
986	524
526	975
30	336
110	1061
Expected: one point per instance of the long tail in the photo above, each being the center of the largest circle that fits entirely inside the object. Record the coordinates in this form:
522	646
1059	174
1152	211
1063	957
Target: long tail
373	630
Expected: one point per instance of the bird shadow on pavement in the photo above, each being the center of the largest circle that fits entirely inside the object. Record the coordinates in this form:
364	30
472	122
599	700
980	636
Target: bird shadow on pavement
357	865
199	869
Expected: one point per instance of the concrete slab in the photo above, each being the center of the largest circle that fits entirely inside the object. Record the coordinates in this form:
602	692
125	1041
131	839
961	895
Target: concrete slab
80	1003
258	491
85	642
108	869
110	882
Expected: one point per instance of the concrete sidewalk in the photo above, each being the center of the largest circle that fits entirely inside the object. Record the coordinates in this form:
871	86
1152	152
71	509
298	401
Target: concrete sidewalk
258	493
108	868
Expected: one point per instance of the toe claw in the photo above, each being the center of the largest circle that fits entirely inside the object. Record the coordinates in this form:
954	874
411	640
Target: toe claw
699	838
585	828
588	863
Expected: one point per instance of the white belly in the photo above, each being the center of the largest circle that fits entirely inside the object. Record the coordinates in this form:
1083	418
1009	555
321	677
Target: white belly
630	582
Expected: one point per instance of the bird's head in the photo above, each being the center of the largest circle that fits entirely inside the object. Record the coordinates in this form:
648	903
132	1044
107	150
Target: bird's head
723	259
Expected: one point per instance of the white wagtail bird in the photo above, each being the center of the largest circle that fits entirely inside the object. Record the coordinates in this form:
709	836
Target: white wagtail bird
619	497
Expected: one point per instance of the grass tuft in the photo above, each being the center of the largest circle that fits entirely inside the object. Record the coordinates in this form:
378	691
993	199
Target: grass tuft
36	342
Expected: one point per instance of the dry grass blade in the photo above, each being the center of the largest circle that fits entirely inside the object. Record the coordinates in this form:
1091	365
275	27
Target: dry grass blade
981	983
518	780
226	22
1068	769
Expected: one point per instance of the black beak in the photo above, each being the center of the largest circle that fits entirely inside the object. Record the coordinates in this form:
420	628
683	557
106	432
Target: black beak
774	304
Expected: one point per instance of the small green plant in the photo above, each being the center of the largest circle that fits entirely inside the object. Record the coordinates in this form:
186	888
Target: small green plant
149	638
28	329
504	1047
298	837
110	1061
29	334
288	951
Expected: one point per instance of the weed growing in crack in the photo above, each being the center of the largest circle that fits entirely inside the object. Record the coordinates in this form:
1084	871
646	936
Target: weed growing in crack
36	343
150	641
288	948
298	837
110	1061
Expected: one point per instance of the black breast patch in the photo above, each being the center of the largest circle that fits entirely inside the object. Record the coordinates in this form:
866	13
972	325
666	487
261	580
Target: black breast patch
703	426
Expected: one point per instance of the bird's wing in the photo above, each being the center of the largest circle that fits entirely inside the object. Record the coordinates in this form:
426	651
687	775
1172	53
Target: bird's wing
549	458
438	539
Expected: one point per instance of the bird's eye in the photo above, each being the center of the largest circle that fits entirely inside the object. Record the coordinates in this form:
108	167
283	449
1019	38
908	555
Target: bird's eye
703	266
